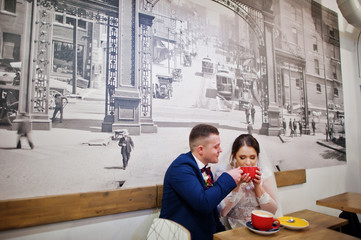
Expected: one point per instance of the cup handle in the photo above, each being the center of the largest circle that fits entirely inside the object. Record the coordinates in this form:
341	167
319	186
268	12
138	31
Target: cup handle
278	225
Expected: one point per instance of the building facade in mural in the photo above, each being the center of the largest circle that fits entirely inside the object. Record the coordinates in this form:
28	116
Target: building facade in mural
306	64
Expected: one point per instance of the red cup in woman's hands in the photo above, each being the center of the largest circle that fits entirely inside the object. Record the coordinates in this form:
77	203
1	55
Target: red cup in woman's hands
250	170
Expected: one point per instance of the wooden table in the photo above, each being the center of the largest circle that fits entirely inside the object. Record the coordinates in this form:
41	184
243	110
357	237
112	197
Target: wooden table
313	232
320	219
348	201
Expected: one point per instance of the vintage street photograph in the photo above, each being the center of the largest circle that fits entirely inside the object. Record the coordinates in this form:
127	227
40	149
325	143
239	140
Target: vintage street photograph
101	95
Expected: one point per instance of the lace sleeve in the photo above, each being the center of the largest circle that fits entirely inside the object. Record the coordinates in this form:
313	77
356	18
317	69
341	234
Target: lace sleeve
232	199
268	200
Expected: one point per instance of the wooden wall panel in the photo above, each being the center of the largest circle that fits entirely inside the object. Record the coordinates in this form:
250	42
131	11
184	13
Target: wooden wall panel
292	177
28	212
43	210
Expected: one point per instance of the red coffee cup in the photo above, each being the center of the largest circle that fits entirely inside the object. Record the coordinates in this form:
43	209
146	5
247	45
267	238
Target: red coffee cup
263	220
250	170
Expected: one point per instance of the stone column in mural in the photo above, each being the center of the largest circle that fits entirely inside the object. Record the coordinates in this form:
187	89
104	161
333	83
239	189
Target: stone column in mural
273	125
126	93
35	84
145	72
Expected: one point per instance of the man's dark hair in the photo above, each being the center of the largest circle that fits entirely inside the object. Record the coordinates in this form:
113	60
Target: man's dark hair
201	131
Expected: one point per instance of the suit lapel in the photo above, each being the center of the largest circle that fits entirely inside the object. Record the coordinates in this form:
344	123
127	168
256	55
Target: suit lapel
197	170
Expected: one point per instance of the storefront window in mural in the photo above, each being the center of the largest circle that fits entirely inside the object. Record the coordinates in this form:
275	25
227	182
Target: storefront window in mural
63	58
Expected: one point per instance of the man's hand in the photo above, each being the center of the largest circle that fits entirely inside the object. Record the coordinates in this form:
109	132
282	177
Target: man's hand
236	174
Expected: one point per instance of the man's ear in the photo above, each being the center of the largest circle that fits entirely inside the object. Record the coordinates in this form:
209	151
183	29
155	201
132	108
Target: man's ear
200	149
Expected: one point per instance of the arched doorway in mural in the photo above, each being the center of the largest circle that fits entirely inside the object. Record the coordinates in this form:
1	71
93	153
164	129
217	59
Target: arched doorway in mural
237	44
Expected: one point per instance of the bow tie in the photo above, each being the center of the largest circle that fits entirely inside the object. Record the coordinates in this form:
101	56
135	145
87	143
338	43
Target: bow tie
206	169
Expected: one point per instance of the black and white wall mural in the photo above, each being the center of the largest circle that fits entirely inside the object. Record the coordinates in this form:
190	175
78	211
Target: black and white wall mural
111	89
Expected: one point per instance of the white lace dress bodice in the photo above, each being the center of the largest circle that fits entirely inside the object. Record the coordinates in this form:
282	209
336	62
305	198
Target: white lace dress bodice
244	201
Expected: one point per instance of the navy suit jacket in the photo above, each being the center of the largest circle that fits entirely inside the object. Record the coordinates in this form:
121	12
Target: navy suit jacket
187	201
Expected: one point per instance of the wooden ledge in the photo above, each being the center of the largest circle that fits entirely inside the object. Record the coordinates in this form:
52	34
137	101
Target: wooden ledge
51	209
28	212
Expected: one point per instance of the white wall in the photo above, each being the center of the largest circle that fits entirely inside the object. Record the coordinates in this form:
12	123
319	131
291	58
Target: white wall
321	182
132	226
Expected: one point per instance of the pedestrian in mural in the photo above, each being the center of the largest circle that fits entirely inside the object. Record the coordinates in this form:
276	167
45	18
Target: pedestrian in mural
331	131
300	127
253	112
247	114
127	144
59	106
289	110
295	127
250	128
236	92
313	125
24	130
291	128
326	131
284	126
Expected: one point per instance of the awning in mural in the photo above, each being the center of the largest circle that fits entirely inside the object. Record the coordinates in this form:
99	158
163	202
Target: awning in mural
165	43
159	44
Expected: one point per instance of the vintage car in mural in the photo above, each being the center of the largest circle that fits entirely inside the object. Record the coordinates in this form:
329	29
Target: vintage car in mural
177	74
163	86
225	83
245	100
207	66
187	59
243	93
9	102
9	90
9	72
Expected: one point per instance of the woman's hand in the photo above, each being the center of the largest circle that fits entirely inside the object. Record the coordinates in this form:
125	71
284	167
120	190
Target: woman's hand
257	179
245	178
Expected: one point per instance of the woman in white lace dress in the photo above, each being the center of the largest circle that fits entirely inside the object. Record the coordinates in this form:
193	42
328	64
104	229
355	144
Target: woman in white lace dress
260	193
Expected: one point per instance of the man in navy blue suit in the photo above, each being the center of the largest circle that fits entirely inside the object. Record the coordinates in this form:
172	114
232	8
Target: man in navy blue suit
190	197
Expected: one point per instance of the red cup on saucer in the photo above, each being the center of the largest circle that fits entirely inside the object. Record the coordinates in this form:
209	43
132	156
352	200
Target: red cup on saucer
264	221
250	170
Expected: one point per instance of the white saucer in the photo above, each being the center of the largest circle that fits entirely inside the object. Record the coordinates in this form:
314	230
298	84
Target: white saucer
269	232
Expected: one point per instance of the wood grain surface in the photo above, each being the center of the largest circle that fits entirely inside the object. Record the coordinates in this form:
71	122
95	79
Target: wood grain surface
19	213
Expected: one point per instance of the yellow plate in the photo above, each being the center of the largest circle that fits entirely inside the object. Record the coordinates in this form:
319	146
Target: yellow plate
298	223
